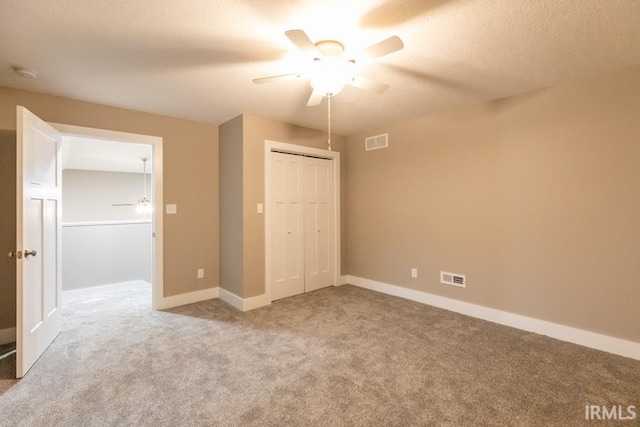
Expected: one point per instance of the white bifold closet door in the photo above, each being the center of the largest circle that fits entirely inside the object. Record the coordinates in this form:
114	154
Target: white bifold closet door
302	227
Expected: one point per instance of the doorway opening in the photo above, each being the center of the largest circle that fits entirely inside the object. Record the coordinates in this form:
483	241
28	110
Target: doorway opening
111	217
106	222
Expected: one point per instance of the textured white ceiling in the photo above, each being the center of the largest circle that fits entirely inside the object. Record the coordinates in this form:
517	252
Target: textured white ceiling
196	58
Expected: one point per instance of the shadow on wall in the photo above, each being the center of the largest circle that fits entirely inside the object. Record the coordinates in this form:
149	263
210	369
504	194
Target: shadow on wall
7	230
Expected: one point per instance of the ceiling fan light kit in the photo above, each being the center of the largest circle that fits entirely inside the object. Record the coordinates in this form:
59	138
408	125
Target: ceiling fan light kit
144	205
331	72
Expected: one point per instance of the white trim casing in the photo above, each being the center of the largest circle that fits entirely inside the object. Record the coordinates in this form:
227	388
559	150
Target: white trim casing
7	335
244	304
589	339
156	197
299	149
188	298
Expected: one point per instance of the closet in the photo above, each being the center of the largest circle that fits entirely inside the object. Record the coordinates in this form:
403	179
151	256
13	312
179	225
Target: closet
302	224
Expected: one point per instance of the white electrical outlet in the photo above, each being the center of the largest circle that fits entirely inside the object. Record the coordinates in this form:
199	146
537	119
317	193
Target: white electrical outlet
201	273
414	273
172	209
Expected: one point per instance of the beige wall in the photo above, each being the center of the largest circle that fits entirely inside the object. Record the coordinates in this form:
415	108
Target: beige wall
535	198
90	195
190	172
104	254
7	229
255	130
231	224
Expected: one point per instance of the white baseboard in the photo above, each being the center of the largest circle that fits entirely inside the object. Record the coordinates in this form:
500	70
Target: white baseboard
188	298
244	304
230	298
7	335
256	302
84	293
594	340
161	303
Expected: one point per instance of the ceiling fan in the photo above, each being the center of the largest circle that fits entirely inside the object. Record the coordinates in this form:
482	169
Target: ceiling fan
332	69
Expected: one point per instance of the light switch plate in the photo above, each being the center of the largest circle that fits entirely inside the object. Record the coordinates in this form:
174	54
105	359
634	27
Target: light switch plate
260	208
172	209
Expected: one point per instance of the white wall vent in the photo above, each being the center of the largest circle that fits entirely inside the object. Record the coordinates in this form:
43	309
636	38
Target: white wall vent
453	279
375	142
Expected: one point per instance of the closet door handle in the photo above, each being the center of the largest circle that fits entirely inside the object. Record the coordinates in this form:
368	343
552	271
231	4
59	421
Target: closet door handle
30	253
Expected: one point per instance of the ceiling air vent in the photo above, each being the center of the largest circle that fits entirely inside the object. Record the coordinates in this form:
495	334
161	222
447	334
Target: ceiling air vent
375	142
453	279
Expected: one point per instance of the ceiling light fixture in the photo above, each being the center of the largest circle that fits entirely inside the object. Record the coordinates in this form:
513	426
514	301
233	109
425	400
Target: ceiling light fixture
144	205
25	74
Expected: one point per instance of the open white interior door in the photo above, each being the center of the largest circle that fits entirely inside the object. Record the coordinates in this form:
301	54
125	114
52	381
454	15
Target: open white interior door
39	298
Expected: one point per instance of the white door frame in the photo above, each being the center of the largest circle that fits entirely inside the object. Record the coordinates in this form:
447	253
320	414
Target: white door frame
282	147
156	196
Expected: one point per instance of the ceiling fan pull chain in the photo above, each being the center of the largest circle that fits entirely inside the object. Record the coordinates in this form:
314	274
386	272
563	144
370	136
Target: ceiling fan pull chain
329	118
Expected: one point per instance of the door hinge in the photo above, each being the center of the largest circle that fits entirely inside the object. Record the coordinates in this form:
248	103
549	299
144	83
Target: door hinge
16	254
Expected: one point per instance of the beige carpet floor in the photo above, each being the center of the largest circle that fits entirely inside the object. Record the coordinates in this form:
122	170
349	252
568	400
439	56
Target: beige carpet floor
338	356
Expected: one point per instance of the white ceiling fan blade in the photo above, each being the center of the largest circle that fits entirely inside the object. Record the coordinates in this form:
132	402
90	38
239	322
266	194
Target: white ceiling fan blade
369	84
302	41
383	48
315	98
276	78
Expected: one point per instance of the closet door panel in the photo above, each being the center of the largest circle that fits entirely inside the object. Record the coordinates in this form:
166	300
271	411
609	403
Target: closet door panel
319	224
287	234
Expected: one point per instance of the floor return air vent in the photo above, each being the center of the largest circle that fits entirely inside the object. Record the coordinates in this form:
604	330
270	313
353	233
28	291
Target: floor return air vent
453	279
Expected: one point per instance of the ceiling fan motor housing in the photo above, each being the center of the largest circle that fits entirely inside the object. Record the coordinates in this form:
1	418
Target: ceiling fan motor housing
330	49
